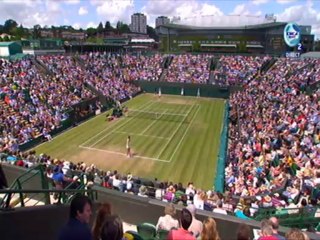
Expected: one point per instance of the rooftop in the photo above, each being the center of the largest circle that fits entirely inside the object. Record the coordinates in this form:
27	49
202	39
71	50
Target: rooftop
186	27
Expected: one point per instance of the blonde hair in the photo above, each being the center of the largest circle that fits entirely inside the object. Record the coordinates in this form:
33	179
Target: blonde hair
209	231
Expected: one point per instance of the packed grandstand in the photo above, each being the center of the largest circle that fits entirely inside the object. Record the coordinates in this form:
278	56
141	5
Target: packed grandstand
274	132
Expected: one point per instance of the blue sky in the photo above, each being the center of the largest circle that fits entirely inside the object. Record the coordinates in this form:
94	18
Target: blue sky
86	13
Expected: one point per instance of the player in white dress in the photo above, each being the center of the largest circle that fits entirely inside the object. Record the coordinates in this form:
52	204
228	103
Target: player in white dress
128	147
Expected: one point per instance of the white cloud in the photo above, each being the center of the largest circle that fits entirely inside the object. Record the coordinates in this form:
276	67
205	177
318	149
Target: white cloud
240	9
286	1
198	13
302	14
82	11
114	10
32	12
76	25
72	2
259	2
190	12
91	24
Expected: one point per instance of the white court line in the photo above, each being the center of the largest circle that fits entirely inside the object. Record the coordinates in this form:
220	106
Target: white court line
174	133
139	134
185	133
154	121
123	154
111	125
114	129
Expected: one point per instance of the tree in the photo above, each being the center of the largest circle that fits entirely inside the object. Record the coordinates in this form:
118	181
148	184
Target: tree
6	39
19	32
122	27
36	31
152	33
9	25
91	32
100	28
107	26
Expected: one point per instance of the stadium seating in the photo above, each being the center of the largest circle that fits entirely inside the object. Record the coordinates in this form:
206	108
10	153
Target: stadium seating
238	70
189	68
273	152
147	231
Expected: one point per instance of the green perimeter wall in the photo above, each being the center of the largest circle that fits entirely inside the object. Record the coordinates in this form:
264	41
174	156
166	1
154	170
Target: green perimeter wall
219	181
190	89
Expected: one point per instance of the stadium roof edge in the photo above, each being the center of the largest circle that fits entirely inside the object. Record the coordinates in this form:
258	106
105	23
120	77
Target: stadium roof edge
5	44
263	25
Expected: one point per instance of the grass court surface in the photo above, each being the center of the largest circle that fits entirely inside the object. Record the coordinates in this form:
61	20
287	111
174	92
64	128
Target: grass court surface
173	138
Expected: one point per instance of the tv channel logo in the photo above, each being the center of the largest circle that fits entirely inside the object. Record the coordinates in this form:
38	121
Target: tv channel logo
292	34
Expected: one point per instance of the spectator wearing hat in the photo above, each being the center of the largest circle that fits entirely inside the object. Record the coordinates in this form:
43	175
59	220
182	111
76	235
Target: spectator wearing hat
196	225
168	222
182	232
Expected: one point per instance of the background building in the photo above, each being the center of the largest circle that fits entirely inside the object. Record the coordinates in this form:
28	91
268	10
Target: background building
138	23
162	20
8	49
260	38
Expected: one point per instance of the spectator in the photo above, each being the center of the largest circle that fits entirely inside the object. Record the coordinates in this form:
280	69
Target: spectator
210	231
103	211
167	222
77	227
295	234
275	226
182	232
244	232
196	225
266	231
112	228
219	208
59	179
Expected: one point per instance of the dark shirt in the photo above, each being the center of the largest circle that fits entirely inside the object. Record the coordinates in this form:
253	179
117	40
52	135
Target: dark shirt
279	237
75	230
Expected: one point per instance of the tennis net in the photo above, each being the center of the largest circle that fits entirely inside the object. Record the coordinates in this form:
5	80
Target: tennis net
165	116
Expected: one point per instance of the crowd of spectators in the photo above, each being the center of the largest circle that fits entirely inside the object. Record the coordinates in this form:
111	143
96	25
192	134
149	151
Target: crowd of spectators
139	67
188	68
108	225
107	74
31	104
68	72
234	70
274	147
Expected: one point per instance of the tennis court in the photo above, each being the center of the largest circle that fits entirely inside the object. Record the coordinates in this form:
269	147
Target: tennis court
173	138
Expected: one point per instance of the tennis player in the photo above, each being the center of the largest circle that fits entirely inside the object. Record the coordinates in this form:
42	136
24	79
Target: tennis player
128	147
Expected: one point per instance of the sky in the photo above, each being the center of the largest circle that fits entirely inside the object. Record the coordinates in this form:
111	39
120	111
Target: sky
88	13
